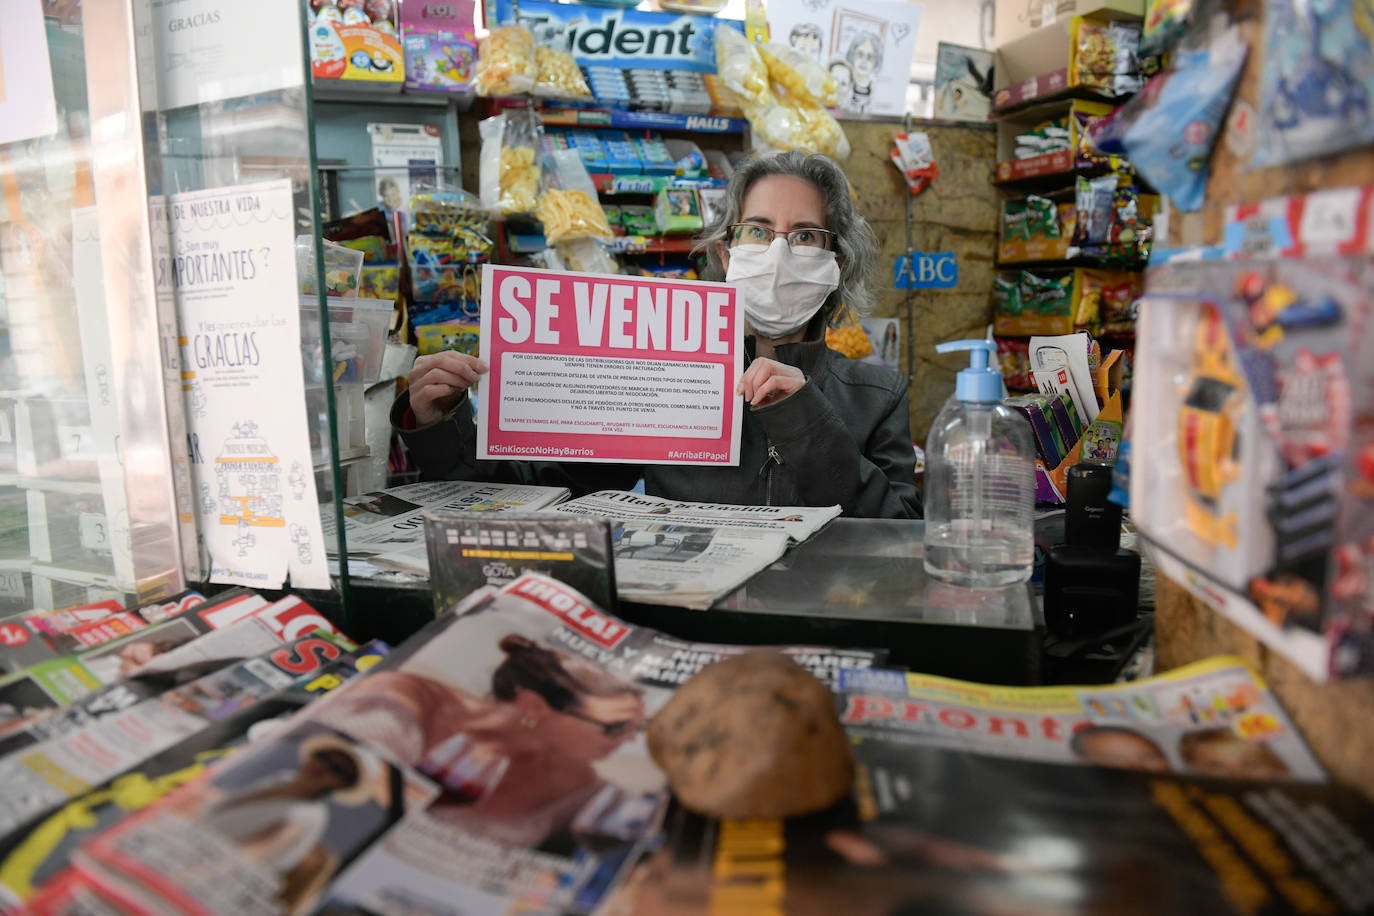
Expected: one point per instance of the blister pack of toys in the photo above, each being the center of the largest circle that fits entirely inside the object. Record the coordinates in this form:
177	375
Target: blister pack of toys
1254	447
1318	79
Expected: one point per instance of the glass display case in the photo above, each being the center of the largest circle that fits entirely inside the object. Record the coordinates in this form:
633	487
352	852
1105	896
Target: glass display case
158	334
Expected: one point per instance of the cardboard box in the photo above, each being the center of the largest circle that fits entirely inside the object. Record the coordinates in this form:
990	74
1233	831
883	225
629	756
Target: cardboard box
1015	19
1041	64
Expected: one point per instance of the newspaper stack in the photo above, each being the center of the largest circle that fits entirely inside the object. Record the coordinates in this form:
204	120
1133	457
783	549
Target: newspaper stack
384	530
683	554
693	554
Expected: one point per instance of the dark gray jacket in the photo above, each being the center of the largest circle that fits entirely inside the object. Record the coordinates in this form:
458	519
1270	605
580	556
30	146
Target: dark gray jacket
844	437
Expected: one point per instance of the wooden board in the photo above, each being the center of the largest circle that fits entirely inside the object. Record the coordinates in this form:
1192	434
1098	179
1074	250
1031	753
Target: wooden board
958	212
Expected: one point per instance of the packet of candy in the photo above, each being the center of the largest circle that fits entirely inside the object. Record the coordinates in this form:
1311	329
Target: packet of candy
915	159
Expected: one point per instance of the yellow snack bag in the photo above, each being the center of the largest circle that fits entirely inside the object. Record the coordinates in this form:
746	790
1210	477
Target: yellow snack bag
571	214
519	180
559	76
506	63
801	77
740	68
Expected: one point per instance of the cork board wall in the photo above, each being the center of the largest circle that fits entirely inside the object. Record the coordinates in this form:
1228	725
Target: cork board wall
956	213
1335	718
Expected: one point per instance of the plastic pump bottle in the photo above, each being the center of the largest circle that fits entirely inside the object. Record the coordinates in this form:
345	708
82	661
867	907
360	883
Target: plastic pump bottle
980	481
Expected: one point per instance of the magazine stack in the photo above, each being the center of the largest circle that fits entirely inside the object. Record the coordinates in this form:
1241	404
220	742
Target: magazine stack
495	763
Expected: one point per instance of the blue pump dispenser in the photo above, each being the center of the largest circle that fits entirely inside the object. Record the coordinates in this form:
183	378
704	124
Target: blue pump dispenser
979	382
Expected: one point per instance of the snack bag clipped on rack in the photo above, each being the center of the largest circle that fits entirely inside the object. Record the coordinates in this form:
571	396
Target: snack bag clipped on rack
568	208
802	77
445	212
789	112
584	256
741	68
787	123
559	76
509	164
506	63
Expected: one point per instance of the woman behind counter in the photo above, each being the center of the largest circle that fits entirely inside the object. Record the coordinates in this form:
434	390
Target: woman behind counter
822	429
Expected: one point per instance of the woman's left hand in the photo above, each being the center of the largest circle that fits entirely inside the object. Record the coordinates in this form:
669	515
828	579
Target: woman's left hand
768	381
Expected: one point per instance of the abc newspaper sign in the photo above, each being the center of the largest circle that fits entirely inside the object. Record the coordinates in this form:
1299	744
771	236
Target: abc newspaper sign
926	270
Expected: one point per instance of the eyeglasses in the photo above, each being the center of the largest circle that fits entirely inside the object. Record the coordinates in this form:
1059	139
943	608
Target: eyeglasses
609	729
754	234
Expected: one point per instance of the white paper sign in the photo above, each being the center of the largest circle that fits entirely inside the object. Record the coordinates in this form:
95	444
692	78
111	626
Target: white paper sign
209	50
28	108
867	47
406	160
232	265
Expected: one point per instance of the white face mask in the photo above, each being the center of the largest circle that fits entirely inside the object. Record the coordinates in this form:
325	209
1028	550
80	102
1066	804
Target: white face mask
780	288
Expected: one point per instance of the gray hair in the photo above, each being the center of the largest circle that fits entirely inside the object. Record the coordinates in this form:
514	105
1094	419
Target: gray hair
856	247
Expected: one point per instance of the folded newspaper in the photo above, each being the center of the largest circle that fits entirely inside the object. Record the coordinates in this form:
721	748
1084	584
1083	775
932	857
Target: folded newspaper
693	554
391	521
494	763
682	554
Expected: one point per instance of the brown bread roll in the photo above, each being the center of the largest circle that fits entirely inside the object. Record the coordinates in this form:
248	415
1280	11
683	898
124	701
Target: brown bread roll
755	735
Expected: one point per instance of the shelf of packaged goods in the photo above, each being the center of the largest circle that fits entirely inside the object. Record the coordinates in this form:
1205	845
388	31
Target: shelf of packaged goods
526	243
1064	173
380	93
1065	264
642	244
650	184
625	119
1048	89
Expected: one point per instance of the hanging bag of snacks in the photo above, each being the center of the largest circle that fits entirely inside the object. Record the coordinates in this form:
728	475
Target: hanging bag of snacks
506	63
508	168
568	208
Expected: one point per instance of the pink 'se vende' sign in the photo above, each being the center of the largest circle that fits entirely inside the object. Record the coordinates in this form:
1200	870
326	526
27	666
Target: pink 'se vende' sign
594	367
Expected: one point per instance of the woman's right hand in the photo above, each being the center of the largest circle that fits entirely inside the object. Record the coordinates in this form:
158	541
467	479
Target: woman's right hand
439	381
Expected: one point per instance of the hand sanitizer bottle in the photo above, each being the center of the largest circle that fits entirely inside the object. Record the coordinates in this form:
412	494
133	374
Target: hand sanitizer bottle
980	481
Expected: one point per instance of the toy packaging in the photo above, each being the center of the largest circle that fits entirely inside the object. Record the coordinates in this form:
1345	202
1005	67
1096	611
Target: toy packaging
440	46
342	268
1195	93
677	211
1253	448
462	336
355	40
1317	81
